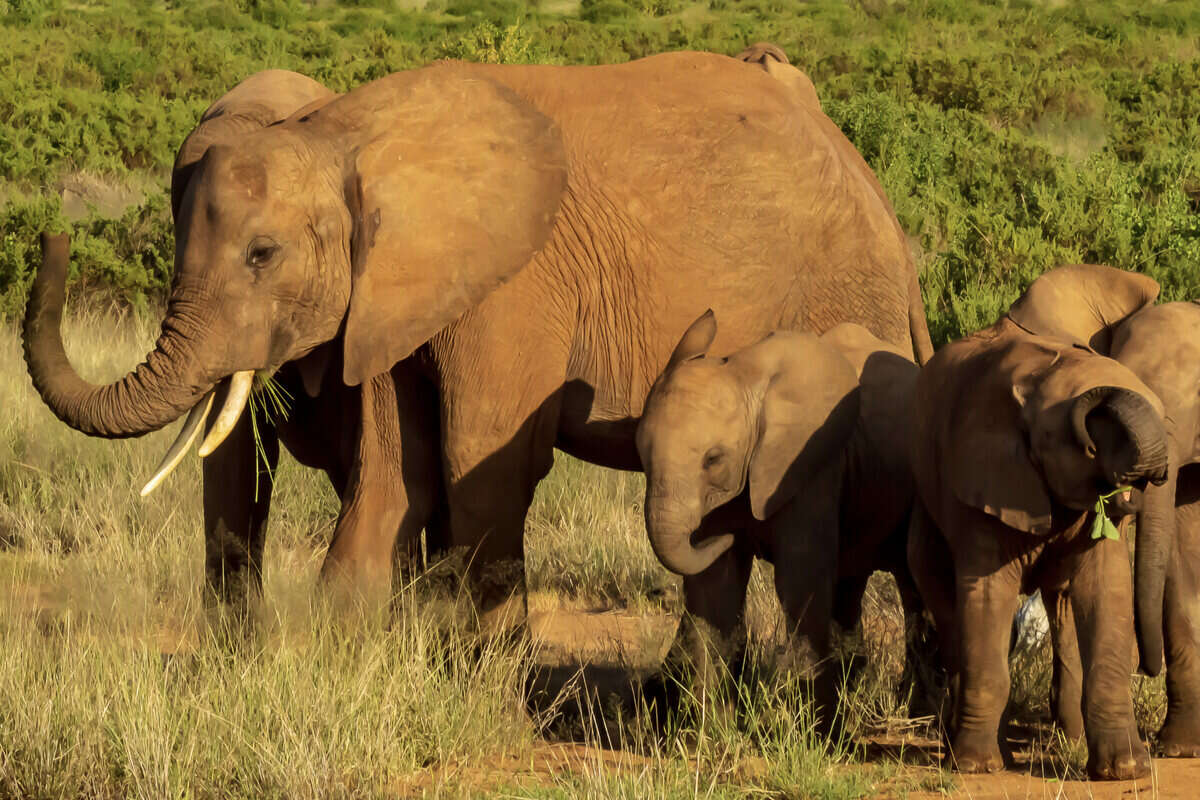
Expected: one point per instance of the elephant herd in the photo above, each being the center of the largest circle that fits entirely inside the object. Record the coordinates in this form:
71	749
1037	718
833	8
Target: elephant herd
678	265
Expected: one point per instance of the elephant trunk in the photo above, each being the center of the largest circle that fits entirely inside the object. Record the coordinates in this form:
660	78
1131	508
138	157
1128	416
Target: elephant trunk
1133	447
1155	541
157	392
670	527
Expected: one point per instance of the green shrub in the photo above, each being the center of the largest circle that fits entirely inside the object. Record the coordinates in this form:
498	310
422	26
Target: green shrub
1009	136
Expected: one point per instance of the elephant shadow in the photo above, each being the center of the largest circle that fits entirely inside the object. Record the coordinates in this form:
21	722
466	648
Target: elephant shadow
602	705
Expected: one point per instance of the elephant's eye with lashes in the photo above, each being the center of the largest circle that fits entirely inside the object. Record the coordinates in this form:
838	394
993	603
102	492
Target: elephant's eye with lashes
261	251
713	457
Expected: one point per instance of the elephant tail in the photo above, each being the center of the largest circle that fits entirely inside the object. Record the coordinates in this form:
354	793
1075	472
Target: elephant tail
918	327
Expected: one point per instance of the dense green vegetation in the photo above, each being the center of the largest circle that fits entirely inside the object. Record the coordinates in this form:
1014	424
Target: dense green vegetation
1011	136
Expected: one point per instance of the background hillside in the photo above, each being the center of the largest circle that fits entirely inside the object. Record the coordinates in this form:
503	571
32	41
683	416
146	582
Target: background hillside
1011	136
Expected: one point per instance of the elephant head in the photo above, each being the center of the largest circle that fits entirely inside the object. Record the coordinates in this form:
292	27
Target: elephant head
1056	422
766	417
381	216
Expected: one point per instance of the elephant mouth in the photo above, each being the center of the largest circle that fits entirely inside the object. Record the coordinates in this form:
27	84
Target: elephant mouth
240	386
1128	501
1125	502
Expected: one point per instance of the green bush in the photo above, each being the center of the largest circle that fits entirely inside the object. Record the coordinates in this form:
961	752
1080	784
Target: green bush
1010	136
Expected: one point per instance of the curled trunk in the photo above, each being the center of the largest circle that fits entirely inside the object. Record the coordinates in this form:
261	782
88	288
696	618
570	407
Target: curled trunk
670	529
157	392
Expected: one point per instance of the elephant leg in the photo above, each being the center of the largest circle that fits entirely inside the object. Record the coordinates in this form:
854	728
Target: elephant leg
237	500
932	655
1101	597
848	601
394	483
1066	687
499	423
805	543
987	586
1180	734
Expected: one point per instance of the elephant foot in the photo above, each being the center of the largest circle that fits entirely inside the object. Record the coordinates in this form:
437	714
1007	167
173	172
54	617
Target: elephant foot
1070	725
1179	738
972	753
1117	757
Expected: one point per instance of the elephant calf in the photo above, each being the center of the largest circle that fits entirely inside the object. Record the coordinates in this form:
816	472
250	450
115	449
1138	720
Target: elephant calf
1020	430
793	449
1161	345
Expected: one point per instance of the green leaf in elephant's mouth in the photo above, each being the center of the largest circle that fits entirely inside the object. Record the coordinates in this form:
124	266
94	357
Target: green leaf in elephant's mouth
1102	526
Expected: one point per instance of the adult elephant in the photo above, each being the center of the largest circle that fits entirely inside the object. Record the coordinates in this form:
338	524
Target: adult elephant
1161	345
329	426
533	237
1020	428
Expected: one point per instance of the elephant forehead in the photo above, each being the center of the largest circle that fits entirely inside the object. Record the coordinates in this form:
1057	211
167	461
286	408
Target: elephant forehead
695	397
1077	372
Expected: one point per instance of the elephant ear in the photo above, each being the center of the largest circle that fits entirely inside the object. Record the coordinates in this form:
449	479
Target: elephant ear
454	192
808	413
695	340
1083	303
990	466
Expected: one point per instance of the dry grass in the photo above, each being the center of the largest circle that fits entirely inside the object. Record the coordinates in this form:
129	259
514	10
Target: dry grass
117	681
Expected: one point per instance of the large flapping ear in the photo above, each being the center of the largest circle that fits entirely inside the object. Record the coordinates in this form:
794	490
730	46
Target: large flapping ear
1083	303
695	340
455	191
809	410
989	465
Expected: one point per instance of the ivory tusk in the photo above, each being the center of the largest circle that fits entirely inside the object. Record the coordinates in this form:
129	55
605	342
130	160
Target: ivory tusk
235	402
187	434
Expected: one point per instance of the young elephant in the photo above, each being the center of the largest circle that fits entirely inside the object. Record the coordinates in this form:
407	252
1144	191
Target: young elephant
775	452
1161	345
1017	437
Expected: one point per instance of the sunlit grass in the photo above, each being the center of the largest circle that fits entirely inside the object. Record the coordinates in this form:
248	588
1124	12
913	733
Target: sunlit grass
118	680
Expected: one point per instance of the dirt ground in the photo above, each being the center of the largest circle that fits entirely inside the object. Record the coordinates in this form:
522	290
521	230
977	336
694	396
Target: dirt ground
574	636
1171	779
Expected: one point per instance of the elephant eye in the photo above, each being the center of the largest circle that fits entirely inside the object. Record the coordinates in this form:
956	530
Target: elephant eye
713	457
261	251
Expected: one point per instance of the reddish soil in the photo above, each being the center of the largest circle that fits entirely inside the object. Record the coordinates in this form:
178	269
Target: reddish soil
574	637
1172	779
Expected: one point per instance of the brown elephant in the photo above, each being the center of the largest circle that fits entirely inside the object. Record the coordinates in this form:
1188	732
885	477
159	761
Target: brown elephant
1161	345
795	450
323	427
1017	435
532	238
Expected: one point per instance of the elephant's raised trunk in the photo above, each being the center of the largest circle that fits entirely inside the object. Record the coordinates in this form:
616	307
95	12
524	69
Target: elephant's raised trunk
157	392
670	528
1140	453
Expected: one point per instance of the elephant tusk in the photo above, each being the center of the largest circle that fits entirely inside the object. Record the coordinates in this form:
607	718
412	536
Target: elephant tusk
235	402
187	434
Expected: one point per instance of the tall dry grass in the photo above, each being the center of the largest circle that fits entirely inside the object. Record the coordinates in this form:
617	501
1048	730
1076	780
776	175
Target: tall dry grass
116	680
